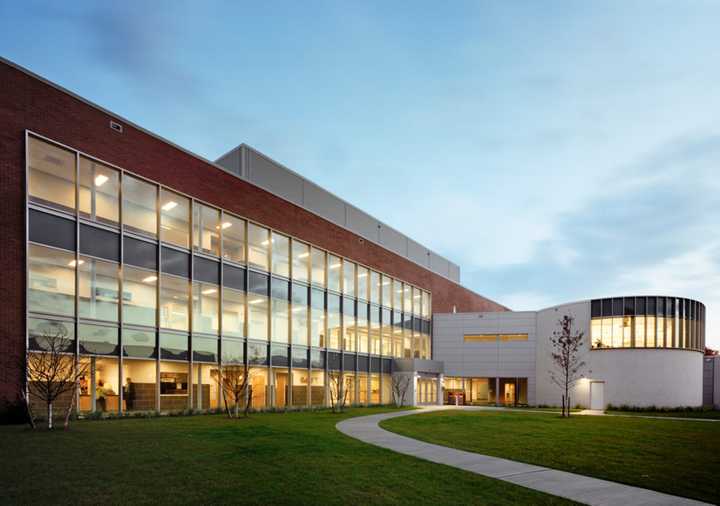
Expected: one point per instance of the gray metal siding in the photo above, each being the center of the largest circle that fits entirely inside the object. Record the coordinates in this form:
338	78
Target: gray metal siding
708	381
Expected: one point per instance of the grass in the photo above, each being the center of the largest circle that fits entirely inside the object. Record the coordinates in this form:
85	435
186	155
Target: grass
709	413
673	456
281	458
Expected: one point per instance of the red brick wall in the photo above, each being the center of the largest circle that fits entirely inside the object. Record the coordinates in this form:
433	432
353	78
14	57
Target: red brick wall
27	103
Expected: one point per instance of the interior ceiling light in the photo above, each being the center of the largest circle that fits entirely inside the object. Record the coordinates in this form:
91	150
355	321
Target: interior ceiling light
73	263
100	179
150	279
169	206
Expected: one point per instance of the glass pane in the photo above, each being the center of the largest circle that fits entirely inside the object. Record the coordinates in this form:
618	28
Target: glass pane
334	273
348	325
51	280
426	312
407	299
46	334
204	349
301	261
139	385
374	287
363	282
318	267
97	340
375	330
257	316
173	346
174	381
206	233
348	278
233	323
258	246
397	295
174	218
299	314
139	206
386	291
104	395
139	296
280	320
333	321
416	301
233	352
280	255
51	175
206	308
98	287
233	230
362	327
139	343
99	192
317	318
174	301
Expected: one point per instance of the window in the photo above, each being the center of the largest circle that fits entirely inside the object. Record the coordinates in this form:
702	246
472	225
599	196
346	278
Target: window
139	206
51	230
317	318
416	301
348	324
206	229
280	255
426	311
387	335
206	308
139	343
362	283
40	331
139	385
348	278
51	180
333	321
51	280
258	246
99	190
140	253
639	331
300	261
257	316
175	262
98	340
204	349
375	330
233	352
374	287
480	338
99	242
513	337
386	291
174	302
174	218
233	238
299	314
98	289
318	267
362	327
139	296
397	295
173	347
233	319
280	319
407	299
334	273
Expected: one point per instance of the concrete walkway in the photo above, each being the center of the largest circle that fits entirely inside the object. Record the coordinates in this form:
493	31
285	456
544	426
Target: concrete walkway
576	487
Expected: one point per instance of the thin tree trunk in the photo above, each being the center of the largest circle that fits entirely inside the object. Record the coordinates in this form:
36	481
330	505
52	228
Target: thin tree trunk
50	415
69	410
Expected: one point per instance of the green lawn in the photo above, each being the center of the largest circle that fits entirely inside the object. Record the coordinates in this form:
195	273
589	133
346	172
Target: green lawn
290	458
673	456
710	413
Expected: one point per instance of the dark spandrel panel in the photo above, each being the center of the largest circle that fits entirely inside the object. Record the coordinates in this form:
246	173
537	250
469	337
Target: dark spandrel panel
173	346
98	340
387	365
426	327
363	363
138	343
206	270
629	309
407	321
333	359
348	306
300	294
280	289
100	243
139	253
279	355
596	308
52	230
317	359
46	334
670	307
640	306
175	262
348	362
417	324
374	364
317	298
300	358
651	305
258	283
233	351
234	277
257	353
617	306
607	307
205	349
660	307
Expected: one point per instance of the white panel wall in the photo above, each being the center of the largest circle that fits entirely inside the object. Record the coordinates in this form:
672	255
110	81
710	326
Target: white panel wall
439	264
361	223
393	240
324	204
275	178
418	253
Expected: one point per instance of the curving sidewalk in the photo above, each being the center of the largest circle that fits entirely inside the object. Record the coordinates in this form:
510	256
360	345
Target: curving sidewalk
583	489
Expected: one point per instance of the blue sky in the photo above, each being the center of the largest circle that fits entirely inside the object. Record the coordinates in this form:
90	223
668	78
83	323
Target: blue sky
556	151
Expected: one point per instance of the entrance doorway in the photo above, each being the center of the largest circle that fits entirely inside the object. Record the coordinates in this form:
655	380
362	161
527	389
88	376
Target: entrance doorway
597	395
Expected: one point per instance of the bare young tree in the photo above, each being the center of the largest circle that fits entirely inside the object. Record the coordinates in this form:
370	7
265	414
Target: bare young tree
400	386
340	385
52	373
567	361
234	383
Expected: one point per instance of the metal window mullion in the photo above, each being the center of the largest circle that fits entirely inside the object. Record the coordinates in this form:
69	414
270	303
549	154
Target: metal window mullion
191	300
77	273
121	302
158	218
